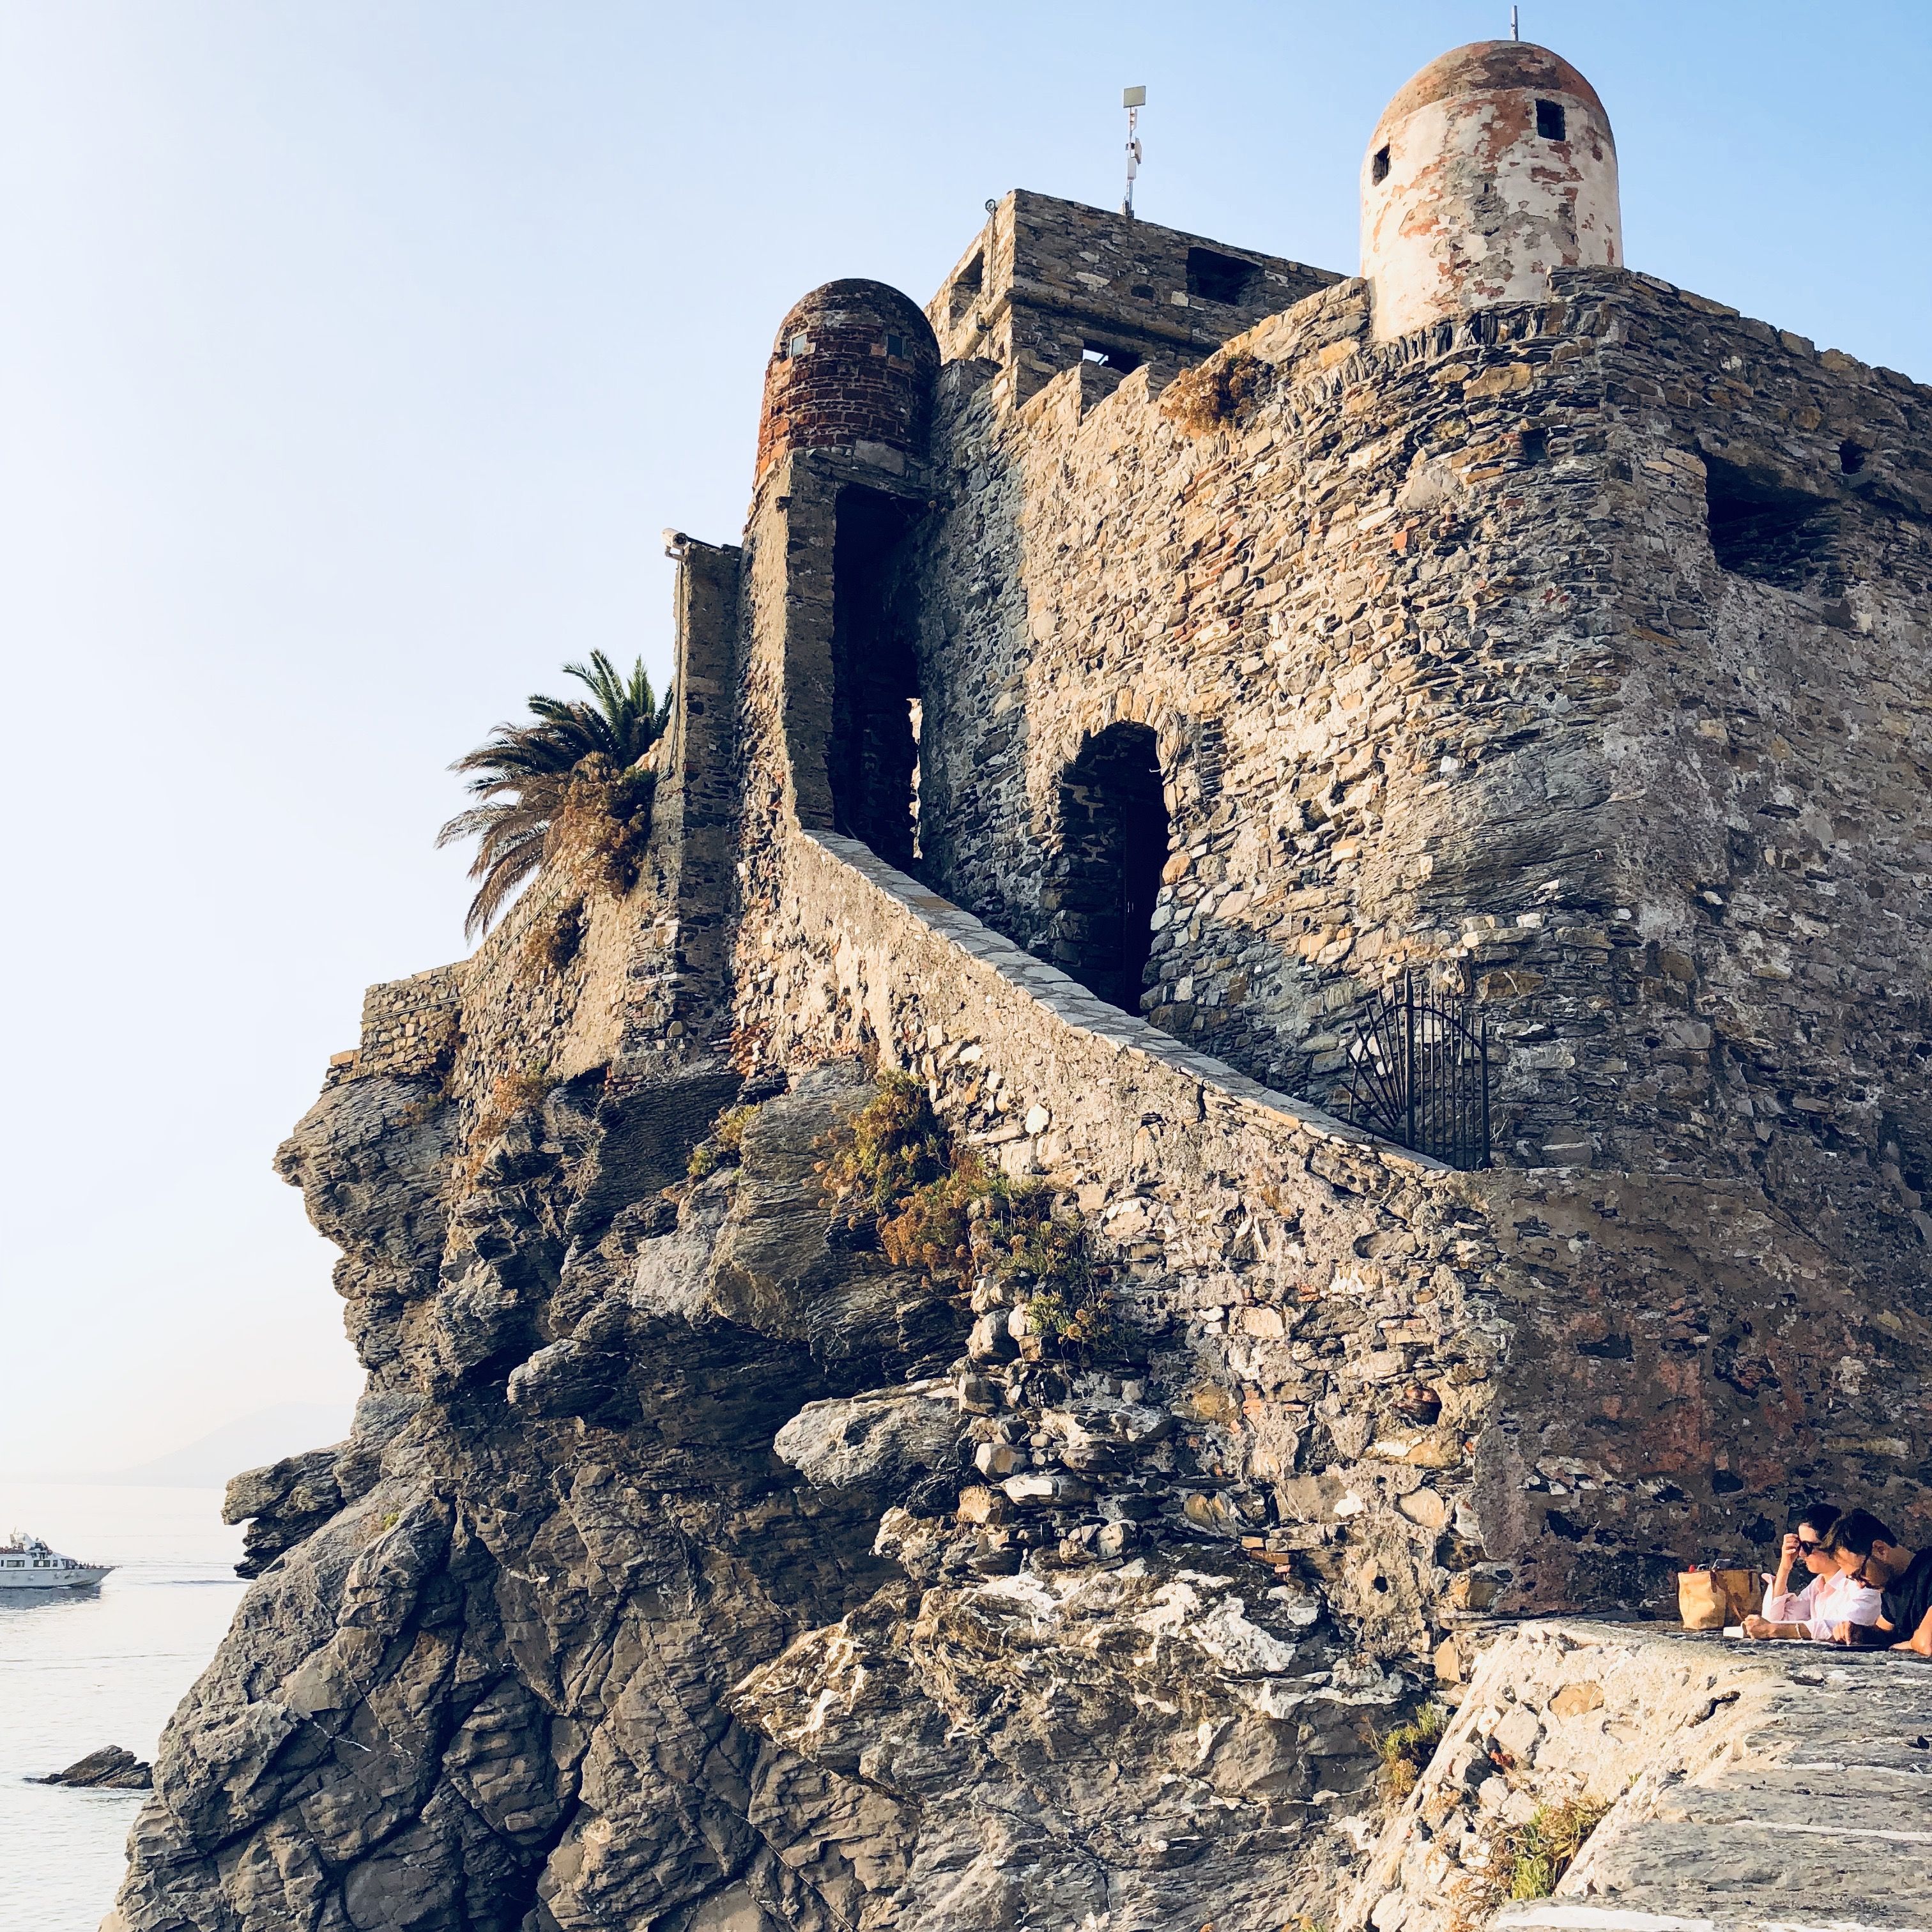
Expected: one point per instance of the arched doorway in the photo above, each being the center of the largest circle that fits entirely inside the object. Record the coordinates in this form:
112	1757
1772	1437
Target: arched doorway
1114	834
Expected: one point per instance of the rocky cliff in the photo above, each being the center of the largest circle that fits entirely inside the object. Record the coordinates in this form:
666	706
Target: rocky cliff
643	1594
963	1461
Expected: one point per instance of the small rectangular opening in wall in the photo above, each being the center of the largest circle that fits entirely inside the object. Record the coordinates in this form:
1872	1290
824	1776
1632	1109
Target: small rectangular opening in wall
1549	120
1210	753
1379	167
1767	531
1122	361
1216	277
967	286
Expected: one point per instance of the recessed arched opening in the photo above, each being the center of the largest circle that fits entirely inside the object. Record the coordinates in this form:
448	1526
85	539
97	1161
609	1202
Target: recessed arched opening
871	759
1114	833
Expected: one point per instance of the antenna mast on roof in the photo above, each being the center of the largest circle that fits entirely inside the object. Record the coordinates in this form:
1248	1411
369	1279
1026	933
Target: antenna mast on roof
1133	99
1515	34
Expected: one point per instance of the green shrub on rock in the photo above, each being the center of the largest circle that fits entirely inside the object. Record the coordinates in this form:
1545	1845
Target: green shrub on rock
1539	1851
720	1147
1406	1749
941	1208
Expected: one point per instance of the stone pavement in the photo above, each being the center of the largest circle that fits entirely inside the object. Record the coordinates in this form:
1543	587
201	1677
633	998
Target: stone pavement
1785	1788
1819	1816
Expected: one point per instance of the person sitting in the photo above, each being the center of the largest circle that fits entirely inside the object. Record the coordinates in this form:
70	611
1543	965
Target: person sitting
1828	1598
1869	1552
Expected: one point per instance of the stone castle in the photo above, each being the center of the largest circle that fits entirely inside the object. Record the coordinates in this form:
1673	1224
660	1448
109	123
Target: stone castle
1137	664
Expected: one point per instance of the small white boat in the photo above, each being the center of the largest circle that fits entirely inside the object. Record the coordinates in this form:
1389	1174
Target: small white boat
26	1563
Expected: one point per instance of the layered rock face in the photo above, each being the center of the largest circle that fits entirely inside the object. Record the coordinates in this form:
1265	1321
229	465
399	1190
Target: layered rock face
649	1600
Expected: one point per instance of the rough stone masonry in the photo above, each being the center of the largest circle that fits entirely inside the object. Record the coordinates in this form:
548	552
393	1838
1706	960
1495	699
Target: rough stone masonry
1133	666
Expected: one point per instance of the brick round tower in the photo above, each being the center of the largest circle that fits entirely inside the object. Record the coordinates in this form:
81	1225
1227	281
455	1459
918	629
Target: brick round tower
852	369
1493	166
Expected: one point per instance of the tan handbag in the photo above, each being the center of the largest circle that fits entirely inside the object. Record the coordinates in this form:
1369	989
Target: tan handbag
1710	1599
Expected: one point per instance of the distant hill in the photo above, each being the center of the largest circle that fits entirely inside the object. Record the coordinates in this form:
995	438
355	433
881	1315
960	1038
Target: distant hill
286	1429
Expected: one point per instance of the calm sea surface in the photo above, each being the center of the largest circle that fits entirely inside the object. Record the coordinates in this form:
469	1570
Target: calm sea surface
79	1669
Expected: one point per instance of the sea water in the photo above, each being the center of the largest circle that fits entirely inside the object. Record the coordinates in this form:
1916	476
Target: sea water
80	1668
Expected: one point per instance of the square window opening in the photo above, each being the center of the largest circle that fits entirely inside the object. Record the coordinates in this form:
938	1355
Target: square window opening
1769	533
799	345
967	287
1222	278
1549	120
1378	168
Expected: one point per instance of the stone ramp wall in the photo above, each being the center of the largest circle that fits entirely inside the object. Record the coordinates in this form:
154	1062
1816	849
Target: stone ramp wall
1545	1390
901	943
1318	1304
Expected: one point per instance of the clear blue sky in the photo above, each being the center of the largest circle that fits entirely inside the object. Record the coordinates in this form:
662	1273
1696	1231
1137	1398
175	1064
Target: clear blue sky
353	355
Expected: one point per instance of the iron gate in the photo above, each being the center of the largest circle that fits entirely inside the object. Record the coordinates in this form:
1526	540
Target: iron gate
1419	1073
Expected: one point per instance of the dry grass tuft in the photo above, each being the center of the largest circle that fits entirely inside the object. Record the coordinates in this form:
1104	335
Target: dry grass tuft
511	1094
1405	1751
1537	1853
600	833
895	1144
554	940
1222	393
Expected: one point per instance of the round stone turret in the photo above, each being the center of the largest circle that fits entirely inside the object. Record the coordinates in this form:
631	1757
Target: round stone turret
852	370
1492	167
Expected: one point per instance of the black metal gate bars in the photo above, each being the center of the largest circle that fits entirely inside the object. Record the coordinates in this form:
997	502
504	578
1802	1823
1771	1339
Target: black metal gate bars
1419	1073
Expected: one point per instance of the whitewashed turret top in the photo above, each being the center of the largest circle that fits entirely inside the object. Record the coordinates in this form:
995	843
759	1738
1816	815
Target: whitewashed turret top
1493	166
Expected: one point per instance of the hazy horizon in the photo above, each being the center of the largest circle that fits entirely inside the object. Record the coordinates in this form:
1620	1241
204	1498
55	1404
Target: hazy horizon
208	1458
353	359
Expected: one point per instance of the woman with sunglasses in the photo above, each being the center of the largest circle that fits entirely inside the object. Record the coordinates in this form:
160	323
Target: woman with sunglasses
1829	1598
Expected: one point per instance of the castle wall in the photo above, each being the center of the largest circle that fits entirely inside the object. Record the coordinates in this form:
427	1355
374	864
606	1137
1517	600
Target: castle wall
1425	633
1047	281
1440	1390
1422	634
410	1027
678	963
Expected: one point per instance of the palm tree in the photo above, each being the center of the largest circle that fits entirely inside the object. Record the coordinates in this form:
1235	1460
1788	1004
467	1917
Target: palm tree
567	779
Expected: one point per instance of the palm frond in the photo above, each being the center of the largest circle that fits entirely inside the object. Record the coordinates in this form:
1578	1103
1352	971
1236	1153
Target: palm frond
521	777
